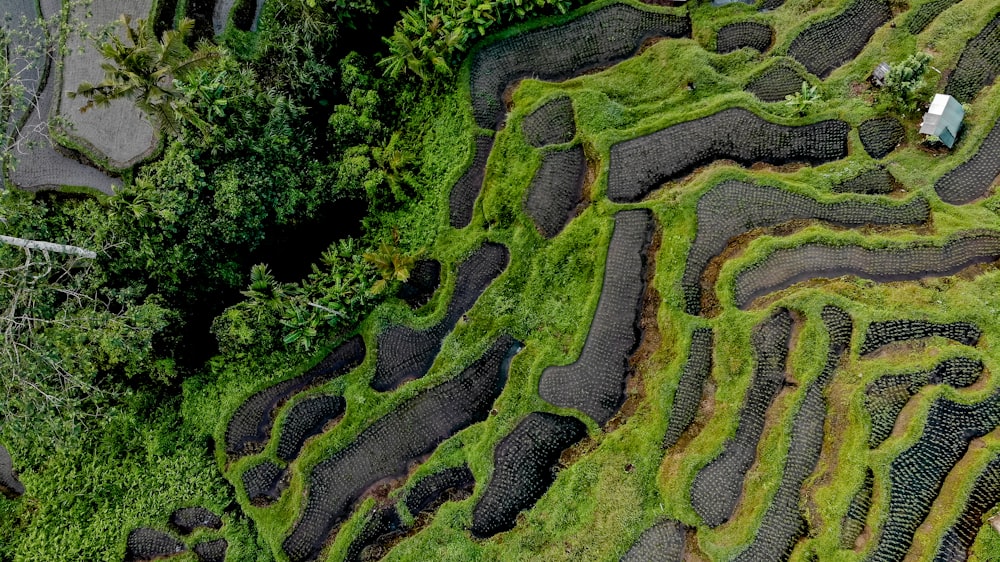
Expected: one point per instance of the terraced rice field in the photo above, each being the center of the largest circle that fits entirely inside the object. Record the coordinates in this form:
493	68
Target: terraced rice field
663	329
120	135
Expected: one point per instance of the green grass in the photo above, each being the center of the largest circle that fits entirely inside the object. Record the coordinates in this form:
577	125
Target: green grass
595	510
546	298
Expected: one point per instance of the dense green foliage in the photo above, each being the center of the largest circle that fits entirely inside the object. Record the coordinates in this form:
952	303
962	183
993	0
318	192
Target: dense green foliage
116	392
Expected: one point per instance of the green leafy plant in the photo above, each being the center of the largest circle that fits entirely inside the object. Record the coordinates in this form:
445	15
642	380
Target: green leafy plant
390	263
802	100
904	83
143	69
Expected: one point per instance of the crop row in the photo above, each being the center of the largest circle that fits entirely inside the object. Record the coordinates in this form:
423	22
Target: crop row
149	544
979	64
787	266
886	397
595	383
462	198
598	38
984	496
641	164
307	419
385	522
552	123
387	447
754	35
825	46
717	487
881	135
663	542
917	474
857	512
783	523
556	190
775	83
189	519
877	181
264	483
732	208
973	178
925	14
145	543
250	426
880	334
405	353
523	469
691	386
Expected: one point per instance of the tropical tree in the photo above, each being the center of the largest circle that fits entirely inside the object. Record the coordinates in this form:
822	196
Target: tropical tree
904	82
390	263
144	69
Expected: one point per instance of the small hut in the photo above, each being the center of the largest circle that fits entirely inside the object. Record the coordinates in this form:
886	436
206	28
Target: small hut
943	119
881	71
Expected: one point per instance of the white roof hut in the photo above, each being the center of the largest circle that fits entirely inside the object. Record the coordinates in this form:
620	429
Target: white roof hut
943	119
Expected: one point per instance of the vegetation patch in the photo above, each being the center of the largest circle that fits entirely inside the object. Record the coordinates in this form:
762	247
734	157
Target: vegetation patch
523	469
787	266
640	165
973	178
405	353
744	34
387	447
556	191
979	64
595	383
717	486
825	46
733	208
250	427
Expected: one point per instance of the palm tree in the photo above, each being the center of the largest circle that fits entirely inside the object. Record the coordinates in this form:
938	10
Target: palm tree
391	263
143	69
